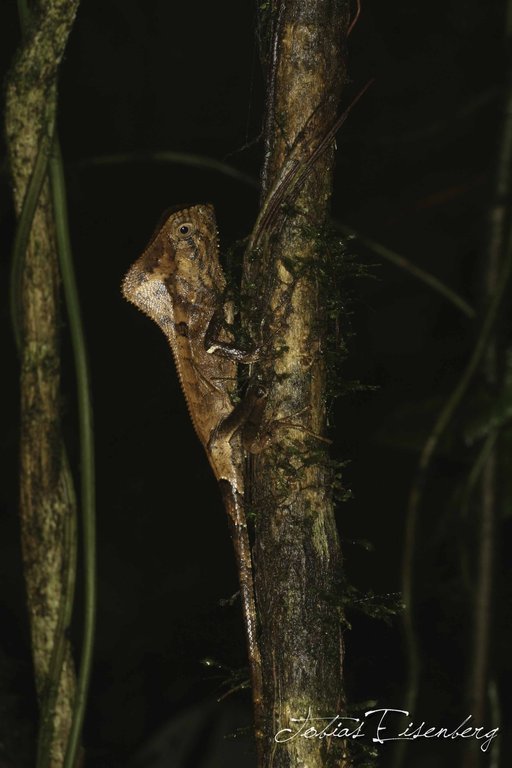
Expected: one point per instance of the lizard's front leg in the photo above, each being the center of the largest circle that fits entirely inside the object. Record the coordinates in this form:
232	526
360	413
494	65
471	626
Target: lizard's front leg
215	345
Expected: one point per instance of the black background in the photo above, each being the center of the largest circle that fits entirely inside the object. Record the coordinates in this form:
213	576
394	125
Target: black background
415	171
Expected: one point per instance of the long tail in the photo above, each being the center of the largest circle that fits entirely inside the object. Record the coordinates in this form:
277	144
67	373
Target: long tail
234	507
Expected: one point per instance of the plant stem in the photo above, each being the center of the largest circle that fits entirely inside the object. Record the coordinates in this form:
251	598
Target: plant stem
87	467
427	453
420	274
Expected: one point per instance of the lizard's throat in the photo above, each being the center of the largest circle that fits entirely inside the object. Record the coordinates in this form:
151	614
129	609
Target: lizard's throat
150	295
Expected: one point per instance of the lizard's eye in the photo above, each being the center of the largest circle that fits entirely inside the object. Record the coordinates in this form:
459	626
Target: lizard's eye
185	230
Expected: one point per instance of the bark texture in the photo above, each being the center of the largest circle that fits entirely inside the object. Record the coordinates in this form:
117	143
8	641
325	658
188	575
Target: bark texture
47	504
297	552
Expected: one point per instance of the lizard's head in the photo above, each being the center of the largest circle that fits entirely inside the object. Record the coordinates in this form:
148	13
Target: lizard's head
183	245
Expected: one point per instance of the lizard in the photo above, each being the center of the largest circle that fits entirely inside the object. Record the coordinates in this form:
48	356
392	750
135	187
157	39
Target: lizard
179	283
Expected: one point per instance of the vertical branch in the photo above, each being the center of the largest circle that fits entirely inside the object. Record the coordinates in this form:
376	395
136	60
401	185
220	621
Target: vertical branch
87	466
499	226
297	551
47	504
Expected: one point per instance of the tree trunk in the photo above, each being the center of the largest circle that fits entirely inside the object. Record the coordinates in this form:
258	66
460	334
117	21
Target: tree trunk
297	553
47	503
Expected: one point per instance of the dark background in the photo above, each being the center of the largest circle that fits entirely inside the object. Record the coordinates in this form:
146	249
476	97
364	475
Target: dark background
414	171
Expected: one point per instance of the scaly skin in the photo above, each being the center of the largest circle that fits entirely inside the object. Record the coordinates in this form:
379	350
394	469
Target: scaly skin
179	283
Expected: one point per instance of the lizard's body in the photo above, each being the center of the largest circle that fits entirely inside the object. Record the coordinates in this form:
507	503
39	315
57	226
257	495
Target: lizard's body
178	281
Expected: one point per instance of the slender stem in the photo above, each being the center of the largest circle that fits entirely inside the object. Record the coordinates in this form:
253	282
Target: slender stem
355	19
499	225
86	446
24	226
24	16
175	158
298	165
477	469
496	719
400	261
419	481
475	475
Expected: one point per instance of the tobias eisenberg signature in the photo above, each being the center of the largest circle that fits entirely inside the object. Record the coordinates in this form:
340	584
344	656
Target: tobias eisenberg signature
382	726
